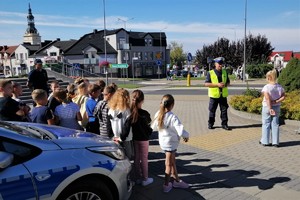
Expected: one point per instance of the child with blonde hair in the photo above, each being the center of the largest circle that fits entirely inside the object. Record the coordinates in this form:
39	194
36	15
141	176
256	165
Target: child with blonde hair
119	111
80	99
170	129
273	96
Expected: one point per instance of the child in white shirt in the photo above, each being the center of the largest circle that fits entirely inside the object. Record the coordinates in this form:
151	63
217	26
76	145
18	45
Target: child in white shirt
170	130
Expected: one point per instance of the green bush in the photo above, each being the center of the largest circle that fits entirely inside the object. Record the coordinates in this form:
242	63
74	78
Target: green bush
289	76
258	71
252	92
255	105
240	102
290	107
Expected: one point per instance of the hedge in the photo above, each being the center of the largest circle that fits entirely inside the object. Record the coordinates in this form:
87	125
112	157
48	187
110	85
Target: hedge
290	107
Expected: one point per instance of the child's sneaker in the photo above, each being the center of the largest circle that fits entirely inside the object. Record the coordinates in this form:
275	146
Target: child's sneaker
180	184
147	182
167	188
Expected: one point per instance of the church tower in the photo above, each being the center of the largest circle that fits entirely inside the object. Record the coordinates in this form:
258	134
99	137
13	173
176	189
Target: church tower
31	35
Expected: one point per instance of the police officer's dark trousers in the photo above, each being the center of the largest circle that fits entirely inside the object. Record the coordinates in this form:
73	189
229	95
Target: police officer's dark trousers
213	105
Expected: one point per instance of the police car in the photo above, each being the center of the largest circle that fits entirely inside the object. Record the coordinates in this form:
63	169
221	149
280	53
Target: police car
49	162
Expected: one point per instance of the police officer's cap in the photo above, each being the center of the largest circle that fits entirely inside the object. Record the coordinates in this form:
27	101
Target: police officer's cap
219	60
38	61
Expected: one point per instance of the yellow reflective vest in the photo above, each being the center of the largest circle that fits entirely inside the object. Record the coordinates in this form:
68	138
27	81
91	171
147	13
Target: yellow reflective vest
214	92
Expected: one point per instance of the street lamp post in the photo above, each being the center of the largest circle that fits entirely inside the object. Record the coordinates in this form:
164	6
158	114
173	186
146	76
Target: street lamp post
127	46
132	67
160	51
104	32
245	37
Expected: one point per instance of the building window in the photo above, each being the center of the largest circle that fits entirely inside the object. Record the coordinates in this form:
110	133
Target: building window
148	42
148	55
125	56
137	55
122	42
52	53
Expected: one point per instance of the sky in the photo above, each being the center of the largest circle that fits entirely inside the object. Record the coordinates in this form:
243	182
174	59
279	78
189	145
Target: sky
190	23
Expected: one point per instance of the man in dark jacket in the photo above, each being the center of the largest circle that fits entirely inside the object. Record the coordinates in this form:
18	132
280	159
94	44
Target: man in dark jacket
38	77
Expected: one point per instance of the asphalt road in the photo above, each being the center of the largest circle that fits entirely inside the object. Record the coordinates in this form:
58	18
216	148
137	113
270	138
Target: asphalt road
234	90
189	91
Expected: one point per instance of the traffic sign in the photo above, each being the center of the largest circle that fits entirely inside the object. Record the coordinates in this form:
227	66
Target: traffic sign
189	57
119	65
158	62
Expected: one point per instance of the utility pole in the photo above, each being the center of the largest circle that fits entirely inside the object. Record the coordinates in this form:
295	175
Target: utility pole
161	53
127	47
104	32
245	37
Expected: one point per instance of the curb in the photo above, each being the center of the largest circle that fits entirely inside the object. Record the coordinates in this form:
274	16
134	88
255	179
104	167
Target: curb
257	117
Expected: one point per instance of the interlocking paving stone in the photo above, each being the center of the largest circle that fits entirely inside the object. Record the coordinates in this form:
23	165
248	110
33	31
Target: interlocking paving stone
223	164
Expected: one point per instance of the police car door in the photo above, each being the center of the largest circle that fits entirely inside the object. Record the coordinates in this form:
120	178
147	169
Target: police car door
15	180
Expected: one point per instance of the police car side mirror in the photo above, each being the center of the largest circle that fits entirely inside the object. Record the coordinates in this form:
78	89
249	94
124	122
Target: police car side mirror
5	159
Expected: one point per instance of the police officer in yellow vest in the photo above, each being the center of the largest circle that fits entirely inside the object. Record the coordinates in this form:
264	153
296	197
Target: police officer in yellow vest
217	81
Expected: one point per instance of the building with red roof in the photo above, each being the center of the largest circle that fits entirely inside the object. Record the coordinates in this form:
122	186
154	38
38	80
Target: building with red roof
281	58
297	55
6	56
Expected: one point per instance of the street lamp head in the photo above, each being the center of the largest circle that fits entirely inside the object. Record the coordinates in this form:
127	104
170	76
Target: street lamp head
124	21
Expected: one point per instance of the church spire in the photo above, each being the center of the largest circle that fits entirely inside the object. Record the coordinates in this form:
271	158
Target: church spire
31	35
30	19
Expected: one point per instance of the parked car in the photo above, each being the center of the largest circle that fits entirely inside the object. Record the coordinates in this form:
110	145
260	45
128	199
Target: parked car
49	162
184	73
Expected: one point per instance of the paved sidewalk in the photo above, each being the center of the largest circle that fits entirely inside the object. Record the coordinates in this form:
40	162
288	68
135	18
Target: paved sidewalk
221	164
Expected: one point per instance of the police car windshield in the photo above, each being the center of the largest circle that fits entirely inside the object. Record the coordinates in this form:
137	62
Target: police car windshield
24	130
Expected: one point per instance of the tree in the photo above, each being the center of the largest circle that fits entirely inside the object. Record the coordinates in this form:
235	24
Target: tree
258	50
177	56
289	76
222	47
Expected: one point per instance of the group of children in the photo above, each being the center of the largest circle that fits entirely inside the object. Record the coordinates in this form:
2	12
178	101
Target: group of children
109	111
